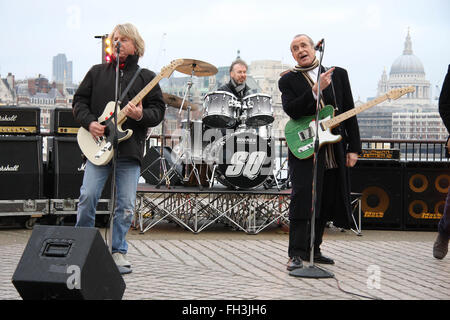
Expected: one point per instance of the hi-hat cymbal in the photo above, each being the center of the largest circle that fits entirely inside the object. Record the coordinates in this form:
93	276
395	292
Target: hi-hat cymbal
200	68
175	101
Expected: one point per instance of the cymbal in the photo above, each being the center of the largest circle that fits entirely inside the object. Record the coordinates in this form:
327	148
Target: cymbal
175	101
200	68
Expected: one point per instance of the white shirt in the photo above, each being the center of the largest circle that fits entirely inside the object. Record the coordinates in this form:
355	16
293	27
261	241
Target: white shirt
313	75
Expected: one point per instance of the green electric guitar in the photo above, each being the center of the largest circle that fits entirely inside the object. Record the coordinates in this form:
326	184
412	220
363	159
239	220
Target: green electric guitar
300	134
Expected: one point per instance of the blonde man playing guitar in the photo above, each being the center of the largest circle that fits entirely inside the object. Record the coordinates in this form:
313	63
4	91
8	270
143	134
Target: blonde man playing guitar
93	94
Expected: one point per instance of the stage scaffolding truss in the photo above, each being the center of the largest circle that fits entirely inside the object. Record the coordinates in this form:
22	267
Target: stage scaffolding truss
250	211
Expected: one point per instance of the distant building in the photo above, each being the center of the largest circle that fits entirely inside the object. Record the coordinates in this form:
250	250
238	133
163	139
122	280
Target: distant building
418	126
41	93
62	69
7	90
392	118
266	74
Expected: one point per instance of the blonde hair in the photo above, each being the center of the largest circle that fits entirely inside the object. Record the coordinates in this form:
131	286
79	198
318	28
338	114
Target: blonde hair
130	31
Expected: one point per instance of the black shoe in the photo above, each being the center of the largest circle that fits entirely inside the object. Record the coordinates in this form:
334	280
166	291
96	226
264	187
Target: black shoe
440	247
294	263
319	258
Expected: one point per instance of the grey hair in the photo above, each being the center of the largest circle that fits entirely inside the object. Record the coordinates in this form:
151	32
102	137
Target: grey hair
305	35
238	61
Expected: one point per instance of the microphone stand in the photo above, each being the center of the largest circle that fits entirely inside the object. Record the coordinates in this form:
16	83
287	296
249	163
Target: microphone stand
313	271
122	269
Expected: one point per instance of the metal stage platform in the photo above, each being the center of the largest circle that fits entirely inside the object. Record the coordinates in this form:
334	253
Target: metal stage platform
248	210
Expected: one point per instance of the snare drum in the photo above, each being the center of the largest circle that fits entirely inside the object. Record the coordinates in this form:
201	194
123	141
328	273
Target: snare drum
259	110
242	160
219	109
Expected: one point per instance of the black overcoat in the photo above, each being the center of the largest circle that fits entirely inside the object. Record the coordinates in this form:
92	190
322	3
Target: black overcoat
298	100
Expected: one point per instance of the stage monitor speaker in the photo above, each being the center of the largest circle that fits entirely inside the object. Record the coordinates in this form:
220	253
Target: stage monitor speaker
66	169
426	187
151	166
21	168
380	182
67	263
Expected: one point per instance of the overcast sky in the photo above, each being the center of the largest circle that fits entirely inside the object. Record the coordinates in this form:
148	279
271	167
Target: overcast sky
362	36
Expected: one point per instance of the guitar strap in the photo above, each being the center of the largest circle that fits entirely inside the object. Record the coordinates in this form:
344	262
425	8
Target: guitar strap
330	160
129	85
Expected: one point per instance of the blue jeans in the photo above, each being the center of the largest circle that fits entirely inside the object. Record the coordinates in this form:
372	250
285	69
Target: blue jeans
444	223
127	177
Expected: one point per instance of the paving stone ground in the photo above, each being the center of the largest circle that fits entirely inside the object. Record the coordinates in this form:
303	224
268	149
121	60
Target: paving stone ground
253	268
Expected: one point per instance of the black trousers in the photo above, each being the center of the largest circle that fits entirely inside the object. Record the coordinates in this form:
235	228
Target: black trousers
300	229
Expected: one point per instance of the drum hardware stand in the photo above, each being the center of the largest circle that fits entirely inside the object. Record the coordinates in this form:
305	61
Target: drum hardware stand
162	165
313	271
187	152
280	185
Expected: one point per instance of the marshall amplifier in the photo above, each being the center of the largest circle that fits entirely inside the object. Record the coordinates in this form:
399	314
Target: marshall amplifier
63	122
21	168
20	120
66	169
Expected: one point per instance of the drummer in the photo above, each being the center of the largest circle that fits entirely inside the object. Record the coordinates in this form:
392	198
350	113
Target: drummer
238	76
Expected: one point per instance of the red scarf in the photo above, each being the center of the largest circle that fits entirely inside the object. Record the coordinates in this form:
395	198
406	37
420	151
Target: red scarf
114	61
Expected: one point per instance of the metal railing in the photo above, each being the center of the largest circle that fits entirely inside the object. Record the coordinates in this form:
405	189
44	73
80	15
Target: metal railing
410	150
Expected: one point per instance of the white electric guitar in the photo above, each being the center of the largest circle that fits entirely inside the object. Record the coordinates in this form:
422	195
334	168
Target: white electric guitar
99	150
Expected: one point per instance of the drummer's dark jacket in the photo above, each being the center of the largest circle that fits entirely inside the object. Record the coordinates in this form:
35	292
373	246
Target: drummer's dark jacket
298	101
98	88
228	87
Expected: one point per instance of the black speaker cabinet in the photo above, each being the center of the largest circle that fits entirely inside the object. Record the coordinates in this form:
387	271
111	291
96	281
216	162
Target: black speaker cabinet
380	182
67	263
21	168
426	187
151	166
66	169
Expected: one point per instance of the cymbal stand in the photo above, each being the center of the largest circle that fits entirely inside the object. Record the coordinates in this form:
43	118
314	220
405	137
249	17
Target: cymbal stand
187	154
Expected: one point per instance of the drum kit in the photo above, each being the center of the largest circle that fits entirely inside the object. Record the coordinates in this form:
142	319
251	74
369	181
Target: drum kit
231	143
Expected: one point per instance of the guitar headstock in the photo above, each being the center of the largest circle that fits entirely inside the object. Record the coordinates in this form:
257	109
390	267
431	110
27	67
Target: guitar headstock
397	93
167	71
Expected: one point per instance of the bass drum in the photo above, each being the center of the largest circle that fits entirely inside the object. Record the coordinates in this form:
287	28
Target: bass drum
242	160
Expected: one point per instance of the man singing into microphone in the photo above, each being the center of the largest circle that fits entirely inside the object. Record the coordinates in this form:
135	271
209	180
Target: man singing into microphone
299	91
93	94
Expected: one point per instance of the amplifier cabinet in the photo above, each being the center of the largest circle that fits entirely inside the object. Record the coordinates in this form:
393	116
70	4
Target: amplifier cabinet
426	187
21	168
66	169
381	183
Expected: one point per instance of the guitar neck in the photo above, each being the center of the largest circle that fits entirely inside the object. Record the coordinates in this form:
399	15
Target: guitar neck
138	98
353	112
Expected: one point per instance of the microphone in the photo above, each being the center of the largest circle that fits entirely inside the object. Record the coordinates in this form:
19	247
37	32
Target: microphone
117	44
319	44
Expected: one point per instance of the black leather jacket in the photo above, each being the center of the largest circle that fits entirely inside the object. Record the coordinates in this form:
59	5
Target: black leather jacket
98	88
